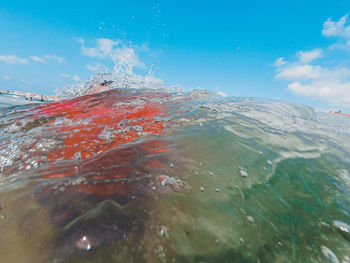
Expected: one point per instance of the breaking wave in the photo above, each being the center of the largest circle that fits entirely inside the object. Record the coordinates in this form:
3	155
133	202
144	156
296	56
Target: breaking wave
126	169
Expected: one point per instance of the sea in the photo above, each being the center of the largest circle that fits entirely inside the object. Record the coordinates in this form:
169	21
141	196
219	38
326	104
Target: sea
125	169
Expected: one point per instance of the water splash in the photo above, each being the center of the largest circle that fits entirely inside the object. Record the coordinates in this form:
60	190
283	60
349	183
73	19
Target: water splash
122	76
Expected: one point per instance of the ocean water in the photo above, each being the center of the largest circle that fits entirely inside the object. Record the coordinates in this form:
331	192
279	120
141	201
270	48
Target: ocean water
133	172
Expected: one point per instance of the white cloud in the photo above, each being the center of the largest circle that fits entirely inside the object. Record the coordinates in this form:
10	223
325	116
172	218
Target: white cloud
308	56
279	62
54	57
330	84
6	77
336	28
103	49
95	67
76	78
26	81
65	75
334	92
37	59
44	59
115	50
297	72
80	40
13	59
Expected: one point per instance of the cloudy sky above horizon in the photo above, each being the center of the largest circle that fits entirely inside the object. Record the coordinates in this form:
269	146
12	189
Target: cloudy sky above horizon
293	51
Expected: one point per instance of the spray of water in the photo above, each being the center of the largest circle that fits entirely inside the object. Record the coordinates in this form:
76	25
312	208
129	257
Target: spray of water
121	76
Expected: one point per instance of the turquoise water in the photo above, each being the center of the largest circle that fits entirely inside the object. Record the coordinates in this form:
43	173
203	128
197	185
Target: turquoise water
226	180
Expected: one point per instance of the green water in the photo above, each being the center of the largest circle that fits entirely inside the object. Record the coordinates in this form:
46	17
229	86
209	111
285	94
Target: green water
245	184
281	212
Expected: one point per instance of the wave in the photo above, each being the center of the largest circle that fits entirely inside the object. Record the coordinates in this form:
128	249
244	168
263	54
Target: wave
125	168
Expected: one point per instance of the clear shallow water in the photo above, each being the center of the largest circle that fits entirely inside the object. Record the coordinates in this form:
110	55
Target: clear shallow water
153	175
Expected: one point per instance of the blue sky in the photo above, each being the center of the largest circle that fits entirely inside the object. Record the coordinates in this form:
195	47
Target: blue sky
291	50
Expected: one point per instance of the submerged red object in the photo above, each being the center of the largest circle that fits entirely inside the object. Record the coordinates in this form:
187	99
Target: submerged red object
339	113
95	131
124	123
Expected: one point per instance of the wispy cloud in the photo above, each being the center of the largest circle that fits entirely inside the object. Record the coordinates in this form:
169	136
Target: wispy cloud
45	58
26	81
96	67
104	48
6	77
13	59
330	84
76	78
68	76
80	40
115	50
336	28
65	75
334	92
308	56
298	72
37	59
279	62
56	58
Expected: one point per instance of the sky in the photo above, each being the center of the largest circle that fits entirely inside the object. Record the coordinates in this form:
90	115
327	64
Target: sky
297	51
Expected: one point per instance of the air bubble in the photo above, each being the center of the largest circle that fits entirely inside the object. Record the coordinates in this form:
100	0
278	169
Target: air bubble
162	231
243	173
250	219
83	243
329	254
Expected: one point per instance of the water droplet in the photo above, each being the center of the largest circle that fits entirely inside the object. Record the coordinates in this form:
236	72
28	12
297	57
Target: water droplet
77	156
243	173
83	243
250	219
342	228
162	231
160	251
162	179
329	254
165	180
